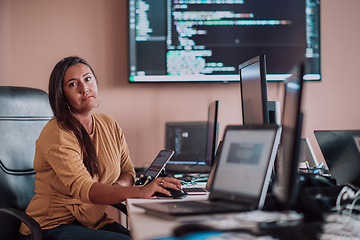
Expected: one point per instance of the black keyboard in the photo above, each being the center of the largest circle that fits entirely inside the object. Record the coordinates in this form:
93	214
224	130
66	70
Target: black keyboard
190	190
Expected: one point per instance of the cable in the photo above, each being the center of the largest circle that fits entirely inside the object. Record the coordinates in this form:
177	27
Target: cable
356	198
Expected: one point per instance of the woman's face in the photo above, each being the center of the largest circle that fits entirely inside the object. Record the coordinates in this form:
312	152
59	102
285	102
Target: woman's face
80	89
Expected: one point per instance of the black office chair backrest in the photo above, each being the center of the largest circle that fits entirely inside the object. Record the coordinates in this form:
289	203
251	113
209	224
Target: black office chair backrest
23	114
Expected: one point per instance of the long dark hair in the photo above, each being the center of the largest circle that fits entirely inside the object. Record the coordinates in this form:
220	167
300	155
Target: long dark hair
62	113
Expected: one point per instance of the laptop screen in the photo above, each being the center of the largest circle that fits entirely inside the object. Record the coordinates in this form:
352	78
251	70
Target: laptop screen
341	150
246	160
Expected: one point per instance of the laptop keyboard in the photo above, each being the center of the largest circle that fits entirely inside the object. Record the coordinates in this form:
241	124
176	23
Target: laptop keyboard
195	189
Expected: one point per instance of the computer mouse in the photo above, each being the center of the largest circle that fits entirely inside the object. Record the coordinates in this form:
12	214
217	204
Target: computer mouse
178	194
316	180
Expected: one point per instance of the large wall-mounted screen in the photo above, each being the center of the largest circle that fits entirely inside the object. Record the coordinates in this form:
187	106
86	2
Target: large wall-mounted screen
206	40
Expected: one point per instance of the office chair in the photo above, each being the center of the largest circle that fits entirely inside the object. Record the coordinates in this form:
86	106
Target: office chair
23	114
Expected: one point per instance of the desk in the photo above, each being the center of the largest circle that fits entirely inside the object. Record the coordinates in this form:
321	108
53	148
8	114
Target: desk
144	226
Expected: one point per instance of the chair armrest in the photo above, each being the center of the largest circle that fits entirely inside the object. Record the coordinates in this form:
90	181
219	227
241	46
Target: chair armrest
121	207
36	232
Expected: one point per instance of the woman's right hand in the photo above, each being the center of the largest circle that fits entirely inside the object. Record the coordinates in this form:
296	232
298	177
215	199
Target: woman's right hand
158	185
100	193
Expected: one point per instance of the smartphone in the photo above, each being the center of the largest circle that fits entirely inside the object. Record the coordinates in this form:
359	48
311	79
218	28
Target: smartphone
155	167
158	164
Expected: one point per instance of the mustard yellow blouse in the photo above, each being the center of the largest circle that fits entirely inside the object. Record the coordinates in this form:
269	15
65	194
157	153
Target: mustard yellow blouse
62	181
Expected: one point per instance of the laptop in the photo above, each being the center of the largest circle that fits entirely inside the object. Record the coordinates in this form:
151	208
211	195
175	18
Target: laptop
193	190
341	151
241	178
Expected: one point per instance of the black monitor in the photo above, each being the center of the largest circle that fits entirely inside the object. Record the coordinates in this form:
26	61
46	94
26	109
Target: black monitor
287	177
204	41
194	143
188	140
253	91
212	132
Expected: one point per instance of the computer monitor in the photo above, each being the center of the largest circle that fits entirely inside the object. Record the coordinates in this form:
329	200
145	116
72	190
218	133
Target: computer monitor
212	132
194	143
253	91
287	178
205	40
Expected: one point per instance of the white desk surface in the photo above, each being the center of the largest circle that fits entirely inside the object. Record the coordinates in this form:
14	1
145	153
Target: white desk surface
144	226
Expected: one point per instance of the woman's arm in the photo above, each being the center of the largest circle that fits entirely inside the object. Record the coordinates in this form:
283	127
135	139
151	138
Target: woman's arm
125	179
110	194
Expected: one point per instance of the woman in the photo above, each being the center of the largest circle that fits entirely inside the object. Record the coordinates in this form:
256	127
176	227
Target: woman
82	162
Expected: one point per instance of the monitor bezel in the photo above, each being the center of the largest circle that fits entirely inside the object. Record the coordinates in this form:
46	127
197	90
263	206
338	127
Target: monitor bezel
186	168
209	156
261	59
274	77
214	141
259	201
287	181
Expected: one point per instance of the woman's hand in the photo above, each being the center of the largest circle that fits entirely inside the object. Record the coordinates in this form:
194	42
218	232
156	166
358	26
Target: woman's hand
100	193
158	185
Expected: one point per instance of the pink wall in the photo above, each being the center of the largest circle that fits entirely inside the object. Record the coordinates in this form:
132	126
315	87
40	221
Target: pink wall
35	34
